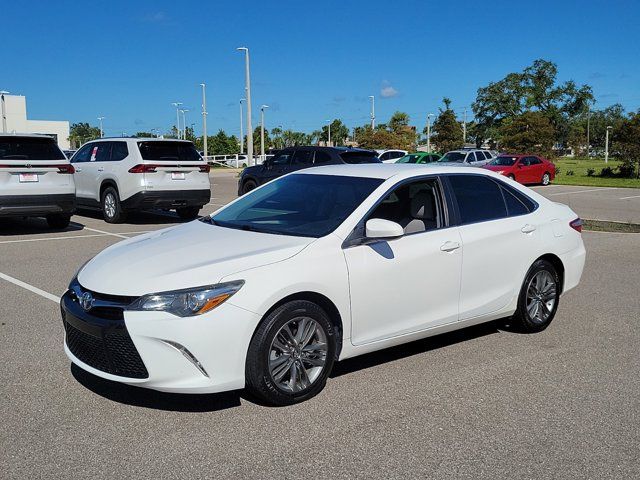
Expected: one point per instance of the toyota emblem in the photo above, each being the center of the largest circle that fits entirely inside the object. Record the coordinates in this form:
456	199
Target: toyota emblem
86	301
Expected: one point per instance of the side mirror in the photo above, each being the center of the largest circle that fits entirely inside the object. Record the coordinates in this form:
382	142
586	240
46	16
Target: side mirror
380	228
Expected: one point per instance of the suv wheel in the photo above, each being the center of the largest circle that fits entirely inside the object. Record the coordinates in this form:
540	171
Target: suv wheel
58	220
538	300
111	208
291	354
188	213
248	186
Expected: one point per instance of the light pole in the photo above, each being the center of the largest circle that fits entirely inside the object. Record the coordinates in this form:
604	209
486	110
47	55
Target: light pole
262	130
588	118
101	131
429	132
329	133
154	132
606	145
4	110
177	105
464	128
204	119
241	132
247	88
184	122
373	111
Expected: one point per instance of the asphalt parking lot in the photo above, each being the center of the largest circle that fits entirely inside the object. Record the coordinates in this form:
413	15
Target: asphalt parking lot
479	403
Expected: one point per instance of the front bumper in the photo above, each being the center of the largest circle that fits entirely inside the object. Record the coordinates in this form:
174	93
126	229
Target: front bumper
37	205
212	357
147	200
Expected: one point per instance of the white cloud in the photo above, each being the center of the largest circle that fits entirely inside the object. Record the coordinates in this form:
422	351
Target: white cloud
387	91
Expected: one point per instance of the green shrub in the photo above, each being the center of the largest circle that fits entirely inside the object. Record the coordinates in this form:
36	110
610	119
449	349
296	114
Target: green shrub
570	173
607	172
590	172
626	170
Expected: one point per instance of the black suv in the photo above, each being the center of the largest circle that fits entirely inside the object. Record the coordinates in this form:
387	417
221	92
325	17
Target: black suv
296	158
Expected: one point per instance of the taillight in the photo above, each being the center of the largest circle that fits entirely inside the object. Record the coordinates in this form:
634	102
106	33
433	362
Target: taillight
576	225
67	169
205	168
143	168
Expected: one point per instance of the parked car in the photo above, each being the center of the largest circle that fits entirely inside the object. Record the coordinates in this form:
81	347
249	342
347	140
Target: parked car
119	175
296	158
69	153
524	168
35	179
466	157
390	156
419	157
270	290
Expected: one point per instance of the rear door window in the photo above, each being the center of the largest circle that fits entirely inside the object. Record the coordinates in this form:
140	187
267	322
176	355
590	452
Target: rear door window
119	151
479	198
29	148
169	151
303	158
321	157
359	157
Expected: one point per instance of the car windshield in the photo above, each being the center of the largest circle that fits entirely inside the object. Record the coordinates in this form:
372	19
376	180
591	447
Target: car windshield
503	161
298	205
359	157
169	151
30	148
411	158
457	157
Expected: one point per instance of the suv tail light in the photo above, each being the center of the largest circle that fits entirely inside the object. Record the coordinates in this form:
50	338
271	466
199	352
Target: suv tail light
143	168
576	225
205	168
67	169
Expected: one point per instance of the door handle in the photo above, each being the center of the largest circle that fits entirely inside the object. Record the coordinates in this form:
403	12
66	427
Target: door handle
449	246
78	169
528	228
101	169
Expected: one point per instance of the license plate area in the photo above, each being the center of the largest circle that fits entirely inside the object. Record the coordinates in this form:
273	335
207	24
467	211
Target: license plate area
28	177
177	175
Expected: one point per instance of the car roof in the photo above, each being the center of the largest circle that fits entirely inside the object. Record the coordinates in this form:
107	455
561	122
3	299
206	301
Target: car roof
385	171
26	135
140	139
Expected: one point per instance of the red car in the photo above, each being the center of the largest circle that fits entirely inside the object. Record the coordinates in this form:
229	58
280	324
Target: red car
524	168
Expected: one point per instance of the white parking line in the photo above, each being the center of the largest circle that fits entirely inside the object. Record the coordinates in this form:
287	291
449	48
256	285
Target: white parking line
627	198
598	189
31	288
106	233
70	237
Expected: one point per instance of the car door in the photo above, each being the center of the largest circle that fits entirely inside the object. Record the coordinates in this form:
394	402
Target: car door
410	283
498	239
99	157
537	169
81	176
524	173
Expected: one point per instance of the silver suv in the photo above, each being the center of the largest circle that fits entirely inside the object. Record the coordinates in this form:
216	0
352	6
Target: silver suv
35	179
118	175
466	157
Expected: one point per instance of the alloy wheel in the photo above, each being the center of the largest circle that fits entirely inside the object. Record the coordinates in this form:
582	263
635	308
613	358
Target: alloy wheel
541	296
110	205
298	354
545	179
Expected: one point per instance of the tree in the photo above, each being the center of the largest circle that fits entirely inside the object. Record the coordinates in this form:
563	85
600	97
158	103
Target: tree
220	144
144	135
339	132
378	138
529	132
80	133
447	131
627	142
256	140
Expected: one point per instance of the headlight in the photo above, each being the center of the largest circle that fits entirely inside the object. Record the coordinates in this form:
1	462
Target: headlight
188	302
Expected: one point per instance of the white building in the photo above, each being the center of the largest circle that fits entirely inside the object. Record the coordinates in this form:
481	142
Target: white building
16	113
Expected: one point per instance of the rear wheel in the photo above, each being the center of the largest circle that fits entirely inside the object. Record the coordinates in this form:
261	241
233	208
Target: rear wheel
58	220
538	300
512	176
291	354
111	208
248	186
546	178
188	213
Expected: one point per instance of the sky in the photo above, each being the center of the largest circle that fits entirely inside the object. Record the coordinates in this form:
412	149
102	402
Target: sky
310	61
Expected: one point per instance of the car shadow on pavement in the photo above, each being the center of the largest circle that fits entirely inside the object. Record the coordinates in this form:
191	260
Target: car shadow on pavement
417	347
30	226
144	397
145	217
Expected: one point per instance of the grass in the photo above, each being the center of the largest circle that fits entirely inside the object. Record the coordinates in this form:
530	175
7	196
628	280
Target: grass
579	166
603	226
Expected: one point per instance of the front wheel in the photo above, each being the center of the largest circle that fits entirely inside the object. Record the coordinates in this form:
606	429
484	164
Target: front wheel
248	186
538	300
512	176
188	213
291	354
546	178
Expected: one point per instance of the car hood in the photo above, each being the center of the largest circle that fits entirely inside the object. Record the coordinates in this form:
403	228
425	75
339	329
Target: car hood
190	255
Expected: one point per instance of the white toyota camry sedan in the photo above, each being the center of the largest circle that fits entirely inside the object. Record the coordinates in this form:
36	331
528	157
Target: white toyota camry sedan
315	267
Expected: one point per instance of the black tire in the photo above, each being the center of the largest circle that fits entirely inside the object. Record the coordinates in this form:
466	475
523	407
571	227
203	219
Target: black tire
546	179
58	221
259	379
112	212
248	186
523	320
188	213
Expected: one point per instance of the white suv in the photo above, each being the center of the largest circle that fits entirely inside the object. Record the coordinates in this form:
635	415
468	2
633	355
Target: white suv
466	157
35	179
390	156
117	175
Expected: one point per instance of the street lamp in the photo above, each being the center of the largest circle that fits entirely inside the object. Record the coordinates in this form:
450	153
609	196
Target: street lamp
101	131
4	110
184	122
373	111
429	132
588	119
247	88
262	130
204	119
241	132
154	132
606	145
329	135
177	105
